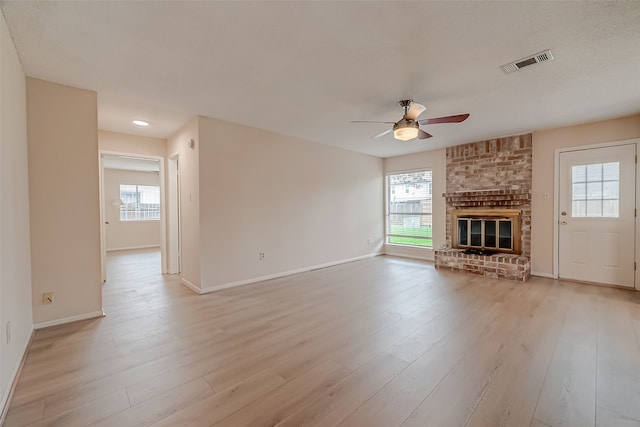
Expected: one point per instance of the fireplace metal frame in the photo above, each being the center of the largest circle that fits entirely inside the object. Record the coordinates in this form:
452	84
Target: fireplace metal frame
512	215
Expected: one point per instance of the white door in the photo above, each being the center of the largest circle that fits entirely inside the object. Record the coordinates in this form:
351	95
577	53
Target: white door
596	241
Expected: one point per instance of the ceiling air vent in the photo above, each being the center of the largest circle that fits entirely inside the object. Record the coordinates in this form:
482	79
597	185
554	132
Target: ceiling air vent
525	62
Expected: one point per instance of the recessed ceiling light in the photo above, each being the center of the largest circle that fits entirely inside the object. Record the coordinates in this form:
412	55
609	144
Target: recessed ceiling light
140	123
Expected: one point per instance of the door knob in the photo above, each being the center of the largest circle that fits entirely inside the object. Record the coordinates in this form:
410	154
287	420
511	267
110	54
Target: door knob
563	213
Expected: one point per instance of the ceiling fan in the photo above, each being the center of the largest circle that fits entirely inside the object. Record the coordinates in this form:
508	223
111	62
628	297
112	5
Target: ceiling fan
408	127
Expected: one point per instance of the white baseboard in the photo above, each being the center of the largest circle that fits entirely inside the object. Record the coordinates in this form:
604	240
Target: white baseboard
209	289
129	248
69	319
191	286
13	380
539	274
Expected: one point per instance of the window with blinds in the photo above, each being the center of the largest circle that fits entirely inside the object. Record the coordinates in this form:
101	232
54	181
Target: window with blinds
409	208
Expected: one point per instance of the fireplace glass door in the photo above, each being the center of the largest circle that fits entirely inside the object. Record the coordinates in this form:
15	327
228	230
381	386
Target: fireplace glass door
485	233
506	236
490	233
476	233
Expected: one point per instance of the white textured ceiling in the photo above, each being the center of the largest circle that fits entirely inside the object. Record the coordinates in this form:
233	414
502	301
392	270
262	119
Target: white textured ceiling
307	68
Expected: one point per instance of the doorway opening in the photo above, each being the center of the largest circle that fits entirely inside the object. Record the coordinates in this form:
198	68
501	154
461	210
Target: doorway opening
132	202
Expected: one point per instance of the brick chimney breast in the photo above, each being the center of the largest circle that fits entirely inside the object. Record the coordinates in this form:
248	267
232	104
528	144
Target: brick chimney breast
492	174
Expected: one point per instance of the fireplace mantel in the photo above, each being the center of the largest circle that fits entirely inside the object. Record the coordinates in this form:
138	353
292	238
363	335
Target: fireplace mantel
487	198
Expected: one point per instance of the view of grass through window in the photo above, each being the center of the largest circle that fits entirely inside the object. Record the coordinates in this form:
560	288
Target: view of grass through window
409	207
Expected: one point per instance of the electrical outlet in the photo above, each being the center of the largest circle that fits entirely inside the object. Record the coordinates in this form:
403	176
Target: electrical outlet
47	297
8	332
369	241
261	256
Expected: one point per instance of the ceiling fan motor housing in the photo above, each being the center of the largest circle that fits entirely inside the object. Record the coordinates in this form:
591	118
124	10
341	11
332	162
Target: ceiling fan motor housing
405	123
405	129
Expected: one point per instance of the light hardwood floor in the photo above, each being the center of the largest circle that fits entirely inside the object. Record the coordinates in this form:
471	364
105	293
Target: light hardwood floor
380	342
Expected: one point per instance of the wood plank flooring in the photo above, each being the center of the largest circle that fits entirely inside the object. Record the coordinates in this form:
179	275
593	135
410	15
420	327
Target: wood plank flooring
380	342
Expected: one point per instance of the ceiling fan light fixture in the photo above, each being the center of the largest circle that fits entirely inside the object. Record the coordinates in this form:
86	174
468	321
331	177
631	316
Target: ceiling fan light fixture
408	127
405	130
405	134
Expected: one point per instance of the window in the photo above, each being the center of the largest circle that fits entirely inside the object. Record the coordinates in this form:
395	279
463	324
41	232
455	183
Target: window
140	202
595	190
409	197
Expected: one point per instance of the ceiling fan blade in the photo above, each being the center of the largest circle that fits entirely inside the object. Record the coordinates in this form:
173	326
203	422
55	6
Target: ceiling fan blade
423	135
415	110
381	134
448	119
369	121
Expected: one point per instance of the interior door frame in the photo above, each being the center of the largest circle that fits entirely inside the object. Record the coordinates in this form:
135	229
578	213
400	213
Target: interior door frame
103	249
163	224
556	201
174	232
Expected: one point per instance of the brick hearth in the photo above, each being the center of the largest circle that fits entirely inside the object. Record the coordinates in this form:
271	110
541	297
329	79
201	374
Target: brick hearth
493	174
499	266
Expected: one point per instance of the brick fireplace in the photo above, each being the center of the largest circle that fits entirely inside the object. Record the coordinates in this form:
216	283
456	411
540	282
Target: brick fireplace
488	202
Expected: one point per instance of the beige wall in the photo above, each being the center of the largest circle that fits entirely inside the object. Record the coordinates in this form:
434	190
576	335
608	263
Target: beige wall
127	234
302	204
436	161
544	145
131	144
189	201
15	258
64	201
